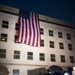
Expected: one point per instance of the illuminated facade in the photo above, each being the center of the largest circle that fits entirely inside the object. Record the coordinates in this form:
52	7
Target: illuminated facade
58	44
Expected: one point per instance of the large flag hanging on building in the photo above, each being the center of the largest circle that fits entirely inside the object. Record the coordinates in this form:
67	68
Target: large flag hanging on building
29	28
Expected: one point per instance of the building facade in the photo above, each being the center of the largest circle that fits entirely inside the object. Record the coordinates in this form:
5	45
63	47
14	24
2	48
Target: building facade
58	44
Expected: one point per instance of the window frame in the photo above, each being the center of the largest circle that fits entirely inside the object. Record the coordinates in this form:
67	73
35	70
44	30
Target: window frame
16	55
60	35
29	55
61	45
51	33
41	31
52	58
18	71
71	59
5	24
62	58
3	54
41	56
51	44
68	36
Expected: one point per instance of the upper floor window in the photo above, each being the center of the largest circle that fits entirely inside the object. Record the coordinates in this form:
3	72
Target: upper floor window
68	36
42	42
16	54
30	55
60	35
16	26
5	24
51	44
61	45
53	57
41	31
3	37
71	59
50	32
16	72
62	58
2	53
42	57
70	46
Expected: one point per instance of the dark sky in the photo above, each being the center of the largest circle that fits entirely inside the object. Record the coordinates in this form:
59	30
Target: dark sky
60	9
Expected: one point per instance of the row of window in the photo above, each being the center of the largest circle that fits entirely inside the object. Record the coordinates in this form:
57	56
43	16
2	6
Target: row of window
51	43
5	24
41	56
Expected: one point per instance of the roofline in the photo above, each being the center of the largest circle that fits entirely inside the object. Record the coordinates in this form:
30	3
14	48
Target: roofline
15	11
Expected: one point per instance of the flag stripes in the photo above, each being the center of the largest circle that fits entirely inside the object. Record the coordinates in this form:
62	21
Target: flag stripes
29	30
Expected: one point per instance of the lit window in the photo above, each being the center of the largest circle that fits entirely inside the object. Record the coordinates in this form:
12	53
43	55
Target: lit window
42	57
5	24
29	55
3	37
2	53
16	54
52	57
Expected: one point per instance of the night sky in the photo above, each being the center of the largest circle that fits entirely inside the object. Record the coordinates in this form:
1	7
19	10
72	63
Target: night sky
60	9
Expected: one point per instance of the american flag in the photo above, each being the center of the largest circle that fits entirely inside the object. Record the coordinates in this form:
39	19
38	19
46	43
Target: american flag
29	28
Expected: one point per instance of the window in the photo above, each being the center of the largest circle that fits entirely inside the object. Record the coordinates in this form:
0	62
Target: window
62	58
16	39
68	36
42	42
71	59
60	34
16	27
50	33
51	44
30	56
41	31
2	53
70	46
42	56
16	72
5	24
3	37
61	45
16	54
52	57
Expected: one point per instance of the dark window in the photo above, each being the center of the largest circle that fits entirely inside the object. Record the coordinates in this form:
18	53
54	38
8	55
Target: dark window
62	58
3	37
2	53
71	59
60	34
42	56
41	31
52	57
50	32
42	42
51	44
69	36
16	27
16	54
16	72
30	56
16	39
5	24
70	46
61	45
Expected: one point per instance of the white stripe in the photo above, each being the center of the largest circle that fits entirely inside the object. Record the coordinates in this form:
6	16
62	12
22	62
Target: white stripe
20	29
31	40
24	33
35	39
27	32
